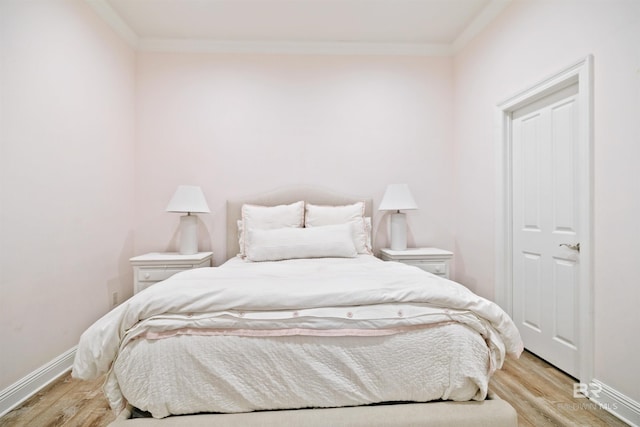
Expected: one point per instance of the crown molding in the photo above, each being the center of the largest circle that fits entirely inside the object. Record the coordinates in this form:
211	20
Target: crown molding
479	23
111	17
299	48
106	12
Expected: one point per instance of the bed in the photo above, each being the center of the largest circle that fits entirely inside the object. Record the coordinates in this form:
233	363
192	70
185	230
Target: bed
306	327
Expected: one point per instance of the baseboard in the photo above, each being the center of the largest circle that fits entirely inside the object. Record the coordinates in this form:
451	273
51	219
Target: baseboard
610	399
26	387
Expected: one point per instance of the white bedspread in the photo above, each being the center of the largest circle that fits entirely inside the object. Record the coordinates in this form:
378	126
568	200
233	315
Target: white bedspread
246	374
334	297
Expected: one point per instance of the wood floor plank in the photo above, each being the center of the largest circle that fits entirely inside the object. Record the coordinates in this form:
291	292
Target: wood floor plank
66	402
33	411
541	395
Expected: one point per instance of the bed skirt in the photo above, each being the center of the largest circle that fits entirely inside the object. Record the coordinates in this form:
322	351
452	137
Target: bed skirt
492	412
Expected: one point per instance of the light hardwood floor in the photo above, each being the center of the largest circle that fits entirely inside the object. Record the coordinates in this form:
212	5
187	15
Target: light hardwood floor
541	394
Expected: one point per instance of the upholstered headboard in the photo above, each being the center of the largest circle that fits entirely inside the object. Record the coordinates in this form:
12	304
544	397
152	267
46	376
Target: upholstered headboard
315	195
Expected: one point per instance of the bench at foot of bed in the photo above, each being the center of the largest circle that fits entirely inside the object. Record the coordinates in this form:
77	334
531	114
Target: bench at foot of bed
492	412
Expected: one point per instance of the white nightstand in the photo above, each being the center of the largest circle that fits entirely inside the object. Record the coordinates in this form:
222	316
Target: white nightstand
157	266
433	260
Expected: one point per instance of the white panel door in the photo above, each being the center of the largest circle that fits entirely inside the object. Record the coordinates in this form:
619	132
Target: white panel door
546	283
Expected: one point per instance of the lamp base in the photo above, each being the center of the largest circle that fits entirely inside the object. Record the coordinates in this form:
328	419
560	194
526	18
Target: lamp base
188	235
398	223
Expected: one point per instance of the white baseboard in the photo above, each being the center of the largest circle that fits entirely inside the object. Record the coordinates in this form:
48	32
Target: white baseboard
623	407
26	387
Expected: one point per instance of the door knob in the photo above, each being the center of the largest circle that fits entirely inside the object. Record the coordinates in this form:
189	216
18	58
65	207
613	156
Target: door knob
575	247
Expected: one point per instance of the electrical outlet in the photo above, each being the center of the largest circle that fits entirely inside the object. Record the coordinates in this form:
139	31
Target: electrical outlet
114	298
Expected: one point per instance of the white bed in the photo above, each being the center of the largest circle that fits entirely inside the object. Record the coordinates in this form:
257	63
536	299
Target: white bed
330	332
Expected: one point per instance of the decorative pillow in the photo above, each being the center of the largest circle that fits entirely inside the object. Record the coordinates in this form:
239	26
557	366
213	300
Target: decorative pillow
330	241
318	215
240	238
367	227
269	217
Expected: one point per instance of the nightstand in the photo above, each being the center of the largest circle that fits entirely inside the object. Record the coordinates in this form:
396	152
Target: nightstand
433	260
157	266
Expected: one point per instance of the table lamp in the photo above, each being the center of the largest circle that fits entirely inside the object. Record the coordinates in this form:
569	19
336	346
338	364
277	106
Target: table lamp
188	199
397	198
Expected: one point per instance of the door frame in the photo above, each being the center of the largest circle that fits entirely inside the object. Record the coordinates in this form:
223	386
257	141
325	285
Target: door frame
580	72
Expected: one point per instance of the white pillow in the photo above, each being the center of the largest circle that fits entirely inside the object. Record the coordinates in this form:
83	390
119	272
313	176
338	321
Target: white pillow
332	241
318	215
240	238
269	217
367	229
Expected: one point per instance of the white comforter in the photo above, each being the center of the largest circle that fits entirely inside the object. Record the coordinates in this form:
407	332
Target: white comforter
335	297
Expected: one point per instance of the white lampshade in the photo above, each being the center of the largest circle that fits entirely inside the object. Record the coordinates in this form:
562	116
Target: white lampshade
397	197
189	199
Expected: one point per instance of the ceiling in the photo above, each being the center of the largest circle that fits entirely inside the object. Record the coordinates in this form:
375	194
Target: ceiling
423	27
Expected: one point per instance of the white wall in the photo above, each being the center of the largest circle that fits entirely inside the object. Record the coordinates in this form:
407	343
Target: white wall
239	125
530	41
66	174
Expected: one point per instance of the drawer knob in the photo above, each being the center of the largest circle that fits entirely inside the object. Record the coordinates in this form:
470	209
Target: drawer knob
438	269
147	275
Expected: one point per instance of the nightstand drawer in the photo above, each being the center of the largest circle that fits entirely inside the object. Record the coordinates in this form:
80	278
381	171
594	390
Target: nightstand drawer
433	260
155	267
141	286
432	267
156	274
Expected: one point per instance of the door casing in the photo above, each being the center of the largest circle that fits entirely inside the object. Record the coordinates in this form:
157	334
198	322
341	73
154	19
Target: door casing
581	73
